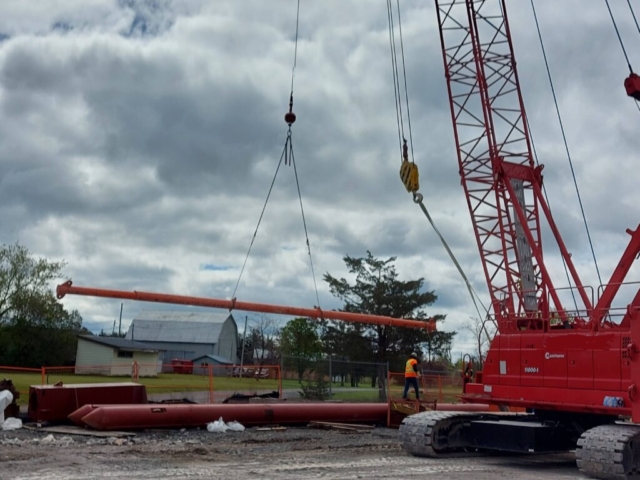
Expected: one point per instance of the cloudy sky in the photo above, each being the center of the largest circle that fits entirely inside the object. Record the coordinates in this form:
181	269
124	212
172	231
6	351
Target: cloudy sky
138	140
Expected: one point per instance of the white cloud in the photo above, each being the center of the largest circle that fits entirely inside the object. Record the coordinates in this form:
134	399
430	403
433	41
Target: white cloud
138	141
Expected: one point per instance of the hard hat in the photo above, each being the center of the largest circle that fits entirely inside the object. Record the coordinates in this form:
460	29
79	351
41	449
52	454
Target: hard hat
414	355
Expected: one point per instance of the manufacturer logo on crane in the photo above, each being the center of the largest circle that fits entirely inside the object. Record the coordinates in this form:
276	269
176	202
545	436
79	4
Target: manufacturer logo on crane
549	356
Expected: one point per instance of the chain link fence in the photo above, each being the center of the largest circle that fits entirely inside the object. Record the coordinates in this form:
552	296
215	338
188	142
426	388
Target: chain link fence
337	379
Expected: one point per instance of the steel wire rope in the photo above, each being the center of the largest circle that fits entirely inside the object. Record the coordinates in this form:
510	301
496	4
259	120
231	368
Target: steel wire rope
292	159
295	51
396	79
286	153
635	20
624	50
418	198
546	197
564	138
406	89
264	207
304	221
615	26
420	201
633	15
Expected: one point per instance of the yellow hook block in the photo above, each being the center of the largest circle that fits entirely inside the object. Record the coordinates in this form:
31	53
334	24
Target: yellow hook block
410	176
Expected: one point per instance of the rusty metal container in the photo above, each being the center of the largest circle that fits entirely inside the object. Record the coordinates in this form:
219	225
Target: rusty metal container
54	403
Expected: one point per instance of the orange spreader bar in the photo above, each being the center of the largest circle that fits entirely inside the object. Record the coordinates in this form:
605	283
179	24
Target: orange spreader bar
67	288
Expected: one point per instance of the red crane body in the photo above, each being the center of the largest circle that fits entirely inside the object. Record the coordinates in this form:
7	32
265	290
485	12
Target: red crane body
576	370
544	353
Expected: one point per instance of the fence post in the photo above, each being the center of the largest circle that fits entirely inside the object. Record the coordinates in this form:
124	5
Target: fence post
330	379
44	373
135	370
440	388
211	399
280	381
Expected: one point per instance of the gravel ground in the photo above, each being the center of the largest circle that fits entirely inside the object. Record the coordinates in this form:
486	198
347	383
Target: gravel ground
296	453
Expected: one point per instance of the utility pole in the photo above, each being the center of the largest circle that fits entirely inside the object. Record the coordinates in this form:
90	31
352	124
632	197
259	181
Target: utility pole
244	337
120	324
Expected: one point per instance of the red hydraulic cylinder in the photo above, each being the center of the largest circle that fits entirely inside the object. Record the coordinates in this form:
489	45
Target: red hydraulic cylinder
129	417
67	288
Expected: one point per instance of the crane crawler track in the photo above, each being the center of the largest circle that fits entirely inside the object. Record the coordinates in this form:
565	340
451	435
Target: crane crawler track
610	452
433	434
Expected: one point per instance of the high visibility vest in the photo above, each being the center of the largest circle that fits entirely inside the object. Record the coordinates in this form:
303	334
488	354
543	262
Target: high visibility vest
408	369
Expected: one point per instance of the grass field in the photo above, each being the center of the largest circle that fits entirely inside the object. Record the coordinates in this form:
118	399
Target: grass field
172	382
449	395
163	383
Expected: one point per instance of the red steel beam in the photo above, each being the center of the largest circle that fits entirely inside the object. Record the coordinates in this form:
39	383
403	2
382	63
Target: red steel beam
67	288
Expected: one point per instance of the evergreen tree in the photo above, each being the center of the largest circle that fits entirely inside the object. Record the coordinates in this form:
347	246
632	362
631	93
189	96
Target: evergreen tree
377	290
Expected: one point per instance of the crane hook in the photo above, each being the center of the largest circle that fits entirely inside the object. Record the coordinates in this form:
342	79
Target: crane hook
290	117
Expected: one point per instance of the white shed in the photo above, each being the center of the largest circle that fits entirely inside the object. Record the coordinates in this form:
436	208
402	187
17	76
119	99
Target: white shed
114	356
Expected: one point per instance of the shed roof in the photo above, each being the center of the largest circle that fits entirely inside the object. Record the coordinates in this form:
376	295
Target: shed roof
215	358
120	343
178	327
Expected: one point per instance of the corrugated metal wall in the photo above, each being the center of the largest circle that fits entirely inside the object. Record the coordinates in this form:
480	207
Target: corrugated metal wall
227	347
147	364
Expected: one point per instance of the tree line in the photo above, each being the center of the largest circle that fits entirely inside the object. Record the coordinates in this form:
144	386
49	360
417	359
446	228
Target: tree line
36	330
374	289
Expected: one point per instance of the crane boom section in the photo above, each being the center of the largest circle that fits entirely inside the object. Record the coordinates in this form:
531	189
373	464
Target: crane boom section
499	176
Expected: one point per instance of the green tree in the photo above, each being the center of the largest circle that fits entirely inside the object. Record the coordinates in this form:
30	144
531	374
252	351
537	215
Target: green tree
377	290
299	339
35	329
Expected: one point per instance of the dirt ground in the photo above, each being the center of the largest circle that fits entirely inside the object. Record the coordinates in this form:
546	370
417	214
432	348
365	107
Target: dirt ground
296	453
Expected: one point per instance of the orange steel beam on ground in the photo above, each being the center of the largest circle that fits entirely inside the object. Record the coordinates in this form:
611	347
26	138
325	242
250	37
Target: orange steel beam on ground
67	288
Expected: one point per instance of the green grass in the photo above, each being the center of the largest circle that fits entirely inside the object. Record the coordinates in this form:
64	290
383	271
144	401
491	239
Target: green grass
171	382
357	397
163	383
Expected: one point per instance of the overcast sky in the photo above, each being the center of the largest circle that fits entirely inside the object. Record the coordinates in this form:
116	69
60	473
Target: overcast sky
138	140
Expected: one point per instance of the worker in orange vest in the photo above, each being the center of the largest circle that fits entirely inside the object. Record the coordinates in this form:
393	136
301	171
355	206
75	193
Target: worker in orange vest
411	376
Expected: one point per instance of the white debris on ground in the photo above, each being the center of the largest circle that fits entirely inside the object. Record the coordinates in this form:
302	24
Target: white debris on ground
220	427
12	424
6	397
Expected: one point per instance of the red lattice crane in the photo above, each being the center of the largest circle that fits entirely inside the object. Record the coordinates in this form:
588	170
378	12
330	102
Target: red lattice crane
502	184
575	371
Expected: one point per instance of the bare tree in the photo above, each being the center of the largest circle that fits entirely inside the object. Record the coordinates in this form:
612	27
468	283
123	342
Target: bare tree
483	332
264	339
